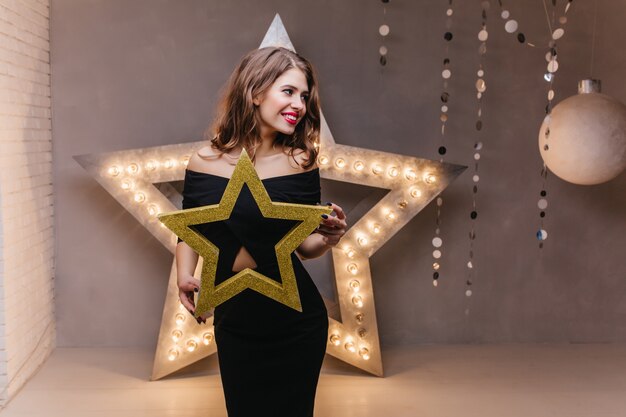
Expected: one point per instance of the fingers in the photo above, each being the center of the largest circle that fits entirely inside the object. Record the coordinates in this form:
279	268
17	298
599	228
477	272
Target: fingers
332	221
186	298
337	209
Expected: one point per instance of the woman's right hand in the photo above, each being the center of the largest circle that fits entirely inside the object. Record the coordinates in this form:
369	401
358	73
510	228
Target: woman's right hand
187	285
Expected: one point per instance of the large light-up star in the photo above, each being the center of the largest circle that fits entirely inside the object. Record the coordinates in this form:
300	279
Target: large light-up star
412	183
212	295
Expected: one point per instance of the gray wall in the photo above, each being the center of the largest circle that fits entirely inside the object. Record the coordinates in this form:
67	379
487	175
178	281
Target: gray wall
130	74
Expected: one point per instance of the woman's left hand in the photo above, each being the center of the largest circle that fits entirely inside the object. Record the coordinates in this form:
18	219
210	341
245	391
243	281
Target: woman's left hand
333	227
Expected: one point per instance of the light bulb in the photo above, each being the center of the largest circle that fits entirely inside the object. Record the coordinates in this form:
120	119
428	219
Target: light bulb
335	339
390	216
355	285
185	160
114	170
207	338
340	163
180	319
359	318
357	300
429	178
140	197
436	266
153	211
176	335
127	184
415	192
350	347
392	172
132	168
323	159
191	345
377	169
365	353
168	163
362	240
172	354
358	166
362	332
151	165
353	269
410	174
402	204
376	228
350	253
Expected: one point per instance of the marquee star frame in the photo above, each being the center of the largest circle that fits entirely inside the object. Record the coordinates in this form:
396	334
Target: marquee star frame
129	176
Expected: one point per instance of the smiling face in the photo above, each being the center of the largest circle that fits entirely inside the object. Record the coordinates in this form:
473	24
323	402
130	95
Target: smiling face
283	105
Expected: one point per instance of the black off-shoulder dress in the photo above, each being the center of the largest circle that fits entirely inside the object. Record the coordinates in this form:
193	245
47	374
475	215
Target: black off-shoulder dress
270	355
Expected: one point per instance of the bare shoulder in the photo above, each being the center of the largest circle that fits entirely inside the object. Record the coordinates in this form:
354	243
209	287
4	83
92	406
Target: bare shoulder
301	157
205	159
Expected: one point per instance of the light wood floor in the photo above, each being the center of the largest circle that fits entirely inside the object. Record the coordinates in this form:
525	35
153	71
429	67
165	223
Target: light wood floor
429	381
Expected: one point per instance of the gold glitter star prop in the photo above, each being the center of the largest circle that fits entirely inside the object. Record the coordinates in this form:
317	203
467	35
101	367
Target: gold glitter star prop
129	176
210	295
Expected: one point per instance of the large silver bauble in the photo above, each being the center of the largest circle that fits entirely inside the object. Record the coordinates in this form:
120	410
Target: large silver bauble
587	140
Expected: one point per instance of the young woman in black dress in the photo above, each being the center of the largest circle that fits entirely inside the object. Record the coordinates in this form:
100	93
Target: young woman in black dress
270	355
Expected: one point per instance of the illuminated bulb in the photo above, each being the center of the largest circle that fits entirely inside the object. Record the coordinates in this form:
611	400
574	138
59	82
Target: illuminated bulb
350	253
172	354
140	197
207	338
151	165
185	161
393	172
176	335
436	266
127	184
335	339
132	168
180	319
358	166
191	345
359	318
153	211
415	193
376	228
350	347
362	240
365	353
168	163
357	300
429	178
435	283
340	163
410	174
377	169
114	171
390	216
355	285
323	160
353	269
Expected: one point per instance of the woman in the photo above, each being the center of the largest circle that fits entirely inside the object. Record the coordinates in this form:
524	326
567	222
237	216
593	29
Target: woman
270	355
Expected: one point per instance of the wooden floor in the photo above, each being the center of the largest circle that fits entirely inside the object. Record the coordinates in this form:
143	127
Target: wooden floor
429	381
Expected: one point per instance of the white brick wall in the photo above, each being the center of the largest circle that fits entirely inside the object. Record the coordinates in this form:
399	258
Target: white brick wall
27	330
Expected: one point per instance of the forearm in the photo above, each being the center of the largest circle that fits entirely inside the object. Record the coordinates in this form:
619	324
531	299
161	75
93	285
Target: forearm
313	246
186	260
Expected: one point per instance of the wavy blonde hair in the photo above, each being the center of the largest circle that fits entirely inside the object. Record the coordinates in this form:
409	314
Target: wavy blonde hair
237	120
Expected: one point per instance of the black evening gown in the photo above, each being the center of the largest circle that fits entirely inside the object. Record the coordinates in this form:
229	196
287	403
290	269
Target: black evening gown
270	355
